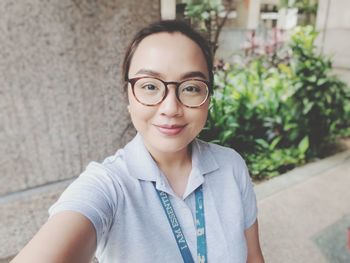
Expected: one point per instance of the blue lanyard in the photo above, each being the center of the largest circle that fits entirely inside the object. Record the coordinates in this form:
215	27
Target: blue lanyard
200	225
176	228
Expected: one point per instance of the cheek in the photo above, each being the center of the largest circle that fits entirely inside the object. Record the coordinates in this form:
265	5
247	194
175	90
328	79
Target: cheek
204	114
205	111
204	118
140	114
129	95
199	118
133	106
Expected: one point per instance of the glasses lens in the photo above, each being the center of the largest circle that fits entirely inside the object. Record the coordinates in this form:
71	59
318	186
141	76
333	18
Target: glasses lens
193	93
149	91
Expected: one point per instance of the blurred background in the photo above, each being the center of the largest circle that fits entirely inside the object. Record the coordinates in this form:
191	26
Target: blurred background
281	99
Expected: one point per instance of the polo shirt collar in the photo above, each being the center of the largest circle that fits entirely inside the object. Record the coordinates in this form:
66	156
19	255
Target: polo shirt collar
142	166
139	161
203	158
203	162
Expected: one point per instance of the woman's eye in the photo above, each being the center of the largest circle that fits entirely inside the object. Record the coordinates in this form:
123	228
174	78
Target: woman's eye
149	87
191	89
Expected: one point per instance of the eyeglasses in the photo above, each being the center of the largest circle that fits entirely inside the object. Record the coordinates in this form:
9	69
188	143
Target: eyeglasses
149	91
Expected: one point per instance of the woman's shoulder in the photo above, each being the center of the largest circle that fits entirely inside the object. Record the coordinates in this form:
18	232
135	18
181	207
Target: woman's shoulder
112	166
125	164
223	153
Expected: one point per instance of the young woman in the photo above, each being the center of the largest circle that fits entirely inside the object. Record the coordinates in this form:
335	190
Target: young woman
166	196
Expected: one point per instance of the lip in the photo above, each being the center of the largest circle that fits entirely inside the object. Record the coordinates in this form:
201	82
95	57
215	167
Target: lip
170	129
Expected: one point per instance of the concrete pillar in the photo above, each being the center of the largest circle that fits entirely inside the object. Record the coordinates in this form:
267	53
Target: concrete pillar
248	14
333	23
287	18
168	9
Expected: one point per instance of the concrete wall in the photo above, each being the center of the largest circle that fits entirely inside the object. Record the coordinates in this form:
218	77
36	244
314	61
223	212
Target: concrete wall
61	100
333	21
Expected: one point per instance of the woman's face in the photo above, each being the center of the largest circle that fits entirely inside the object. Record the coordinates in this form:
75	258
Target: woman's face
169	126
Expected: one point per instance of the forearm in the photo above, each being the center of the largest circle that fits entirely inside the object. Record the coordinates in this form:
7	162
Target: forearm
254	251
66	238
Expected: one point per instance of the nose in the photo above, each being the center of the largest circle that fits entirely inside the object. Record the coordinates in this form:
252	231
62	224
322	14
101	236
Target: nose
170	106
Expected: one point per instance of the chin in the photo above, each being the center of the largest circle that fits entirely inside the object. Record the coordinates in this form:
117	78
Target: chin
168	146
167	143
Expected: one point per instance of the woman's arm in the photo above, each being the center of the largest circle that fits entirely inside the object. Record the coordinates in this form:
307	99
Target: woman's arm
254	250
67	237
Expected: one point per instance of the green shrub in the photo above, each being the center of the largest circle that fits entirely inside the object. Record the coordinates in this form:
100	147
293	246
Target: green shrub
250	112
279	116
320	99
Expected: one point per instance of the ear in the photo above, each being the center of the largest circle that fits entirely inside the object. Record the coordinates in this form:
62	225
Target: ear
128	108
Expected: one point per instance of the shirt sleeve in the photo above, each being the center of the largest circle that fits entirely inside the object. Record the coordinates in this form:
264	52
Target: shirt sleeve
248	198
94	194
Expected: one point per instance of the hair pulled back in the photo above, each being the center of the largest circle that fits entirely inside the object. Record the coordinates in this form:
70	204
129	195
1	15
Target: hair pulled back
169	26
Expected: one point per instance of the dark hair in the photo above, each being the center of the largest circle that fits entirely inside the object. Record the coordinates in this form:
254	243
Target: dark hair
170	26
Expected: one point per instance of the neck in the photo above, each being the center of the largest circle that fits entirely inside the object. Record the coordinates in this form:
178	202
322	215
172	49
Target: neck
176	166
172	160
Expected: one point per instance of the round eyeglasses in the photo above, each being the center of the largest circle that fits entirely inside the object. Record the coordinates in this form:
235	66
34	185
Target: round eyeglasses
149	91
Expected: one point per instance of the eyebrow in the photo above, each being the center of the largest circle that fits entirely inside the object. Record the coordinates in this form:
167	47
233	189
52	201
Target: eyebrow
194	74
191	74
149	72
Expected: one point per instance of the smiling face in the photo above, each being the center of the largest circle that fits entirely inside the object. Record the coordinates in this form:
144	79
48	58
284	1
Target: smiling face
168	127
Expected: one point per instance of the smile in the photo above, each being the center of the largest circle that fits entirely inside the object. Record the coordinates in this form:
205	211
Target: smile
170	129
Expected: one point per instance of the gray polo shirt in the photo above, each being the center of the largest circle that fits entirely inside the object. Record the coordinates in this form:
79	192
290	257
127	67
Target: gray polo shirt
119	198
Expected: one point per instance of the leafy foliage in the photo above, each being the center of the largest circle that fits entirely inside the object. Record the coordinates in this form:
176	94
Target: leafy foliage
307	8
279	115
205	16
304	6
321	100
201	10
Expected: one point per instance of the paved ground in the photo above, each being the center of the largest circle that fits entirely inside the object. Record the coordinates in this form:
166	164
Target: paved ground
304	215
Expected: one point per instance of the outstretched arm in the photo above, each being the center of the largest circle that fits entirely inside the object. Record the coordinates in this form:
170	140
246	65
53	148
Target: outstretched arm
66	237
254	250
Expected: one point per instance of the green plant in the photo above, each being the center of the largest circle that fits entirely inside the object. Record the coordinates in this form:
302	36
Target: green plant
305	7
249	112
205	15
279	116
271	160
321	100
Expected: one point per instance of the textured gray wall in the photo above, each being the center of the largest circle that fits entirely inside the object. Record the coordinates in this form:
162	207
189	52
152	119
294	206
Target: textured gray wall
61	100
